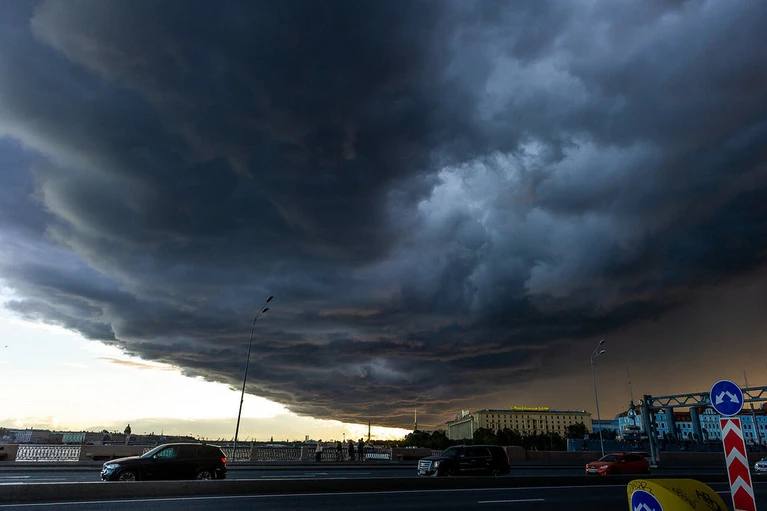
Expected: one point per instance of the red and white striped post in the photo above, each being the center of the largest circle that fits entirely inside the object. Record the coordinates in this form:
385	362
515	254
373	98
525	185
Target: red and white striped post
741	486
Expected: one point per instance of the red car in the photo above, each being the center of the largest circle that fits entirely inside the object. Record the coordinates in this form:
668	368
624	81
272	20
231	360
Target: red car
618	463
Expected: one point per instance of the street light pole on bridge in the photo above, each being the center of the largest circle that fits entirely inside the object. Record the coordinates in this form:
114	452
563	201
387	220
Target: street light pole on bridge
263	310
598	352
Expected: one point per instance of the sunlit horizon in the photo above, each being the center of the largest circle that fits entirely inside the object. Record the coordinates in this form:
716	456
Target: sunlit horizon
90	386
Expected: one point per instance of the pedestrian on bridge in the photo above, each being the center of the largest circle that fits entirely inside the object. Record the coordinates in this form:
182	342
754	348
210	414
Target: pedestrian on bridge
361	450
339	451
351	450
318	452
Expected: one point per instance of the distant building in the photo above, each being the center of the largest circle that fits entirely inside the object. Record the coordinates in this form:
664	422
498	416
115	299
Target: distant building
681	428
525	420
30	436
605	425
630	425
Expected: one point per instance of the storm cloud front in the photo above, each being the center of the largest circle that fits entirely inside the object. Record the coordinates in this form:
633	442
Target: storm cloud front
447	199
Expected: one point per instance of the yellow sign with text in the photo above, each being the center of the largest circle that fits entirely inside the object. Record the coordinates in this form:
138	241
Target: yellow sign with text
672	495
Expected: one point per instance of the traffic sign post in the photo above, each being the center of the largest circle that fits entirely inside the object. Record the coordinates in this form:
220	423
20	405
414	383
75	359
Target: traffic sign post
741	486
642	500
727	399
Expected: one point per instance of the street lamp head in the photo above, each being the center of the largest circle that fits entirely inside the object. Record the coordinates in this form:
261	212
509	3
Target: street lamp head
269	299
264	310
602	352
602	342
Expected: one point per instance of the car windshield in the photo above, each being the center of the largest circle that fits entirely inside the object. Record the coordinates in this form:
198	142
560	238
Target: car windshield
609	457
451	452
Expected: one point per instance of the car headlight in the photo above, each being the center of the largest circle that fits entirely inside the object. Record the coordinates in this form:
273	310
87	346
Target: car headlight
436	464
111	466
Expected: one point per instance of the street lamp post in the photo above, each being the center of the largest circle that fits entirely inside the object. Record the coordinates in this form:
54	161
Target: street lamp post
263	310
598	352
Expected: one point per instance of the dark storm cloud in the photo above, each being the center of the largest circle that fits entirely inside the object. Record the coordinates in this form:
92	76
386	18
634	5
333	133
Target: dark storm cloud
441	195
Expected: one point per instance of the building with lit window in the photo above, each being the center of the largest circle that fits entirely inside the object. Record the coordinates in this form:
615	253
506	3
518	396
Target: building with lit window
525	420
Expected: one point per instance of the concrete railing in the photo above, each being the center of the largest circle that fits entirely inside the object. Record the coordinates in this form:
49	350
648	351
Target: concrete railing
242	454
330	453
276	454
48	453
8	452
256	453
377	453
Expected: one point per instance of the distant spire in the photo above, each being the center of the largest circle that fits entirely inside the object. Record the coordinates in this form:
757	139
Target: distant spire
368	430
415	419
628	381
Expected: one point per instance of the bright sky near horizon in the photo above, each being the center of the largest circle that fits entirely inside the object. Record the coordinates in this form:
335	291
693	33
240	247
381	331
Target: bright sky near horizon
54	378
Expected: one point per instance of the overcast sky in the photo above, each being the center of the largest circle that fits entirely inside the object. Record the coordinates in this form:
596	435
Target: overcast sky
451	201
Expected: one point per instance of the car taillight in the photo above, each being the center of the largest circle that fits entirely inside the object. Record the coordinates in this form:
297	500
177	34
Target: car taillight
223	460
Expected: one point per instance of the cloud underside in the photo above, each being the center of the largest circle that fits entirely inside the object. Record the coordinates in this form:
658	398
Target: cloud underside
441	195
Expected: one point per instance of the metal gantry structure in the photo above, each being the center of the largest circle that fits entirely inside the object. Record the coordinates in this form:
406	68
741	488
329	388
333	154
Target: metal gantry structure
693	401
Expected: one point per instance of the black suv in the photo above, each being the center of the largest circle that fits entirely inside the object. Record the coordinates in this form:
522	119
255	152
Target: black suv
466	460
169	461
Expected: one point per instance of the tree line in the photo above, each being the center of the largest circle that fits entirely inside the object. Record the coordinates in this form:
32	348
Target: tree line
438	440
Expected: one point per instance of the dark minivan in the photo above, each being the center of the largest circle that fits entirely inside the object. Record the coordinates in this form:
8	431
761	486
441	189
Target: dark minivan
169	461
466	460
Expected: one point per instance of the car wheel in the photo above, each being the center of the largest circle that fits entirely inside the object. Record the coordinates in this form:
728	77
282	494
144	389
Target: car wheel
127	475
205	475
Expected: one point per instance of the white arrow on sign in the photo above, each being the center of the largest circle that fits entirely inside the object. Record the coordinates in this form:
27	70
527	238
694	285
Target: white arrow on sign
720	397
643	507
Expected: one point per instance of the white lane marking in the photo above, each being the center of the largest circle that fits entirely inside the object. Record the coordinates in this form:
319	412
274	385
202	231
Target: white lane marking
508	501
34	481
15	477
338	473
307	475
295	476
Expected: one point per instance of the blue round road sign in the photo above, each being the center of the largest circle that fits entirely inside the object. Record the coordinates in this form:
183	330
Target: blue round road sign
644	501
726	398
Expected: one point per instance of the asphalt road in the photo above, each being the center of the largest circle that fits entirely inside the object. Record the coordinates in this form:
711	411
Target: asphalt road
52	475
13	475
573	498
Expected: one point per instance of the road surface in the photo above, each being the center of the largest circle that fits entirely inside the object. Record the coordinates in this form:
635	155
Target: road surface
10	475
608	497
